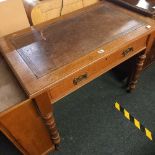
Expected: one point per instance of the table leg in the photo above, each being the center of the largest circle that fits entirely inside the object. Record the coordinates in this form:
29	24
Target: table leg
139	66
46	110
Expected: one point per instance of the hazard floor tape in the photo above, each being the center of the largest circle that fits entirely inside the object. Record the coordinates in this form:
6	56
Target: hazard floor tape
137	124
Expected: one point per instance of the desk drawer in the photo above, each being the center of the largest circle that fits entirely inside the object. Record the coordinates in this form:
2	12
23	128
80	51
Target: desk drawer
94	69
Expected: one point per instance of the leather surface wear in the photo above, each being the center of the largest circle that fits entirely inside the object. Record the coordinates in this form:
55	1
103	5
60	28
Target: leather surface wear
71	38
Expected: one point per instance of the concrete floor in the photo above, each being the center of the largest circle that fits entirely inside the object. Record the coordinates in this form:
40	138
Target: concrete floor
90	125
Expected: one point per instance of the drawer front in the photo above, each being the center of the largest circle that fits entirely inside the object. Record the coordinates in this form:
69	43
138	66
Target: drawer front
95	69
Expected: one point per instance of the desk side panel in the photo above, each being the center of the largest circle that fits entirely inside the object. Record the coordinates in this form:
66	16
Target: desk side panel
25	128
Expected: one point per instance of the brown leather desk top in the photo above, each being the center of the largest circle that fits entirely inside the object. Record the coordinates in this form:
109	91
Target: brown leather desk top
72	38
42	56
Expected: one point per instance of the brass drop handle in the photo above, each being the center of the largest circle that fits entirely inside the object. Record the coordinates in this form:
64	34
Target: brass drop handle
80	78
126	52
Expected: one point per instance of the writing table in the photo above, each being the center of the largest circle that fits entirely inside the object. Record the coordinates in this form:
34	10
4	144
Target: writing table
56	58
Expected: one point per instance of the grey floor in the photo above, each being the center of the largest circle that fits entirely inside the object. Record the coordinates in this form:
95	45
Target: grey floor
90	125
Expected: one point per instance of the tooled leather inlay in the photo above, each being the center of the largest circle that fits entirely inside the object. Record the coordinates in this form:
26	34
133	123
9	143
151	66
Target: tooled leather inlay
69	39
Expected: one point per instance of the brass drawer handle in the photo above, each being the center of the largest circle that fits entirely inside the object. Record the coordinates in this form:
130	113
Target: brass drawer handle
80	78
126	52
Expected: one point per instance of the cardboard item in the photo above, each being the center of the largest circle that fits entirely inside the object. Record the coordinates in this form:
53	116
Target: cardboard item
13	17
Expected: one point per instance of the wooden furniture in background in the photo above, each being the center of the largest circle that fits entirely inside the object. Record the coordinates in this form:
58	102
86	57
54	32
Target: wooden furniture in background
41	11
53	59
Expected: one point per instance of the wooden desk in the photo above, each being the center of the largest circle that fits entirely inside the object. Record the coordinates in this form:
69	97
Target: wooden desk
56	58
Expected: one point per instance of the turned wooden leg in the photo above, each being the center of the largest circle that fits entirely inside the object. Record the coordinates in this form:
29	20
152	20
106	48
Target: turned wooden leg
46	111
139	66
50	123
